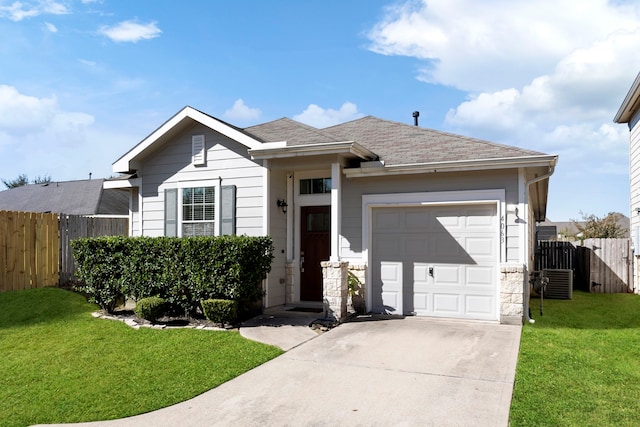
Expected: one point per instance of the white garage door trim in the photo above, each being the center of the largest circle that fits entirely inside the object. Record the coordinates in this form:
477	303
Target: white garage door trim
448	198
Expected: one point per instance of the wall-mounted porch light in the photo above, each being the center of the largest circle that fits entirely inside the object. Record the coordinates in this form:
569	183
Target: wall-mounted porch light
283	205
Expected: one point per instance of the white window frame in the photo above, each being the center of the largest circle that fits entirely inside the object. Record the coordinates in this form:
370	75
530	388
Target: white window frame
181	185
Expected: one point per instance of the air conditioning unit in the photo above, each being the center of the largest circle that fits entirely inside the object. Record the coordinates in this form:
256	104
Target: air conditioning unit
560	284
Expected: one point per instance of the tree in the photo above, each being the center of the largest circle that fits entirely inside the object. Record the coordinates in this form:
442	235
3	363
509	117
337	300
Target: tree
593	227
18	182
42	180
22	179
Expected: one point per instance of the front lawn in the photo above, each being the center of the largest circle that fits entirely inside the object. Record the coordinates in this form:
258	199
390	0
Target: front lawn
58	364
579	364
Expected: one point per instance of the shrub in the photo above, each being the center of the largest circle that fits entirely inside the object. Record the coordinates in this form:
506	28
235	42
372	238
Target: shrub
220	310
101	270
150	308
183	271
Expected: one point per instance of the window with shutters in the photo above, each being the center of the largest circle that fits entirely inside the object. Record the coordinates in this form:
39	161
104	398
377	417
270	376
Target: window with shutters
198	211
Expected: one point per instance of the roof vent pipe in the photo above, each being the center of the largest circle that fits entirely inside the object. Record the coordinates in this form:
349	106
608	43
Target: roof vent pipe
415	115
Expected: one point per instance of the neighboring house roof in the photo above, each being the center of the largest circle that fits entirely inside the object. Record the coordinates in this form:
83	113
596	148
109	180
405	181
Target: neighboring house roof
569	228
630	104
83	197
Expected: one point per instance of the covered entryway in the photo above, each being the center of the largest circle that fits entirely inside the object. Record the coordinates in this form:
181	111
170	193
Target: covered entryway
436	260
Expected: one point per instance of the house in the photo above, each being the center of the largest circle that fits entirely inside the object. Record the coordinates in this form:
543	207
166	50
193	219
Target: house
569	231
628	113
432	223
82	197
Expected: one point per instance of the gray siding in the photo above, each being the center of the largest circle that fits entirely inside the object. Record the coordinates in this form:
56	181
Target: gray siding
226	160
353	189
276	292
634	178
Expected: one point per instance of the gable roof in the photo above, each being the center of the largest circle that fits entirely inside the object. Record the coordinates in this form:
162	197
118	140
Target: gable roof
630	104
395	147
183	118
399	144
83	197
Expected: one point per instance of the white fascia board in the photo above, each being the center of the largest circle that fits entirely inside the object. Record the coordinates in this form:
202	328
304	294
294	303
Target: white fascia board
122	183
344	147
124	163
457	166
627	110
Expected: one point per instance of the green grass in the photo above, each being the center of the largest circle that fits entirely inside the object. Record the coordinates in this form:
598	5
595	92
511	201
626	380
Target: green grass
59	364
579	364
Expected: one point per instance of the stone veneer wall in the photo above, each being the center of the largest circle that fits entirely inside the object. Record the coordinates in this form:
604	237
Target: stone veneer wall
512	282
335	287
289	282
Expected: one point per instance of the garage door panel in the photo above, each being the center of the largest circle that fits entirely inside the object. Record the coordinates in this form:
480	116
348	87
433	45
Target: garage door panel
418	248
417	220
460	244
447	304
388	220
391	277
387	246
480	247
480	306
445	275
480	276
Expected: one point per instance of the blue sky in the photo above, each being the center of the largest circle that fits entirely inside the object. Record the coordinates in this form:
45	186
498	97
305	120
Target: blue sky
82	81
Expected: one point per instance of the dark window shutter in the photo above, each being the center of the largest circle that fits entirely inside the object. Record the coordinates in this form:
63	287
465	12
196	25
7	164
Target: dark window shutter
228	209
171	212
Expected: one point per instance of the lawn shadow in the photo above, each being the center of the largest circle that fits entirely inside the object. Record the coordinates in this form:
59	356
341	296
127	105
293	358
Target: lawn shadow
43	305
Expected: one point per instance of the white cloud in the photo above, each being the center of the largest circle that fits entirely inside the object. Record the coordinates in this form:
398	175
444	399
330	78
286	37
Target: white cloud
487	46
38	137
50	27
22	115
131	31
242	113
546	75
17	11
318	117
583	91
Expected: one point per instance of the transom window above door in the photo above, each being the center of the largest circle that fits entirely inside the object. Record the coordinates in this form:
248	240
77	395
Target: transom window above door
315	186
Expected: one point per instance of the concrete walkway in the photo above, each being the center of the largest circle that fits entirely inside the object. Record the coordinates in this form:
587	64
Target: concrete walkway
284	329
371	372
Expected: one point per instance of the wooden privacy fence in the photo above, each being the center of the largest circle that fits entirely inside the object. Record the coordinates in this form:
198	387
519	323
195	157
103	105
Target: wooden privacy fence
28	250
610	265
35	248
74	227
599	265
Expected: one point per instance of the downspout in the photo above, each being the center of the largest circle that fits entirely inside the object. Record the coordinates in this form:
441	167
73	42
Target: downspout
527	289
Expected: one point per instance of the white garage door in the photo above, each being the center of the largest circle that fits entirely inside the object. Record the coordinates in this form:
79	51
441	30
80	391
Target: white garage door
436	261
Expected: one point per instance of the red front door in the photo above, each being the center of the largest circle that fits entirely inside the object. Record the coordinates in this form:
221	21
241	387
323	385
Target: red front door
315	246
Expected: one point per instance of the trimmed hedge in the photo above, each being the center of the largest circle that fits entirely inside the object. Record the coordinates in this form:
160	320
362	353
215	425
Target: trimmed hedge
150	308
183	271
220	310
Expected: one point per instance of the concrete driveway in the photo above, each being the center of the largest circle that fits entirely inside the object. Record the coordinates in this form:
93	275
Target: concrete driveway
406	372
